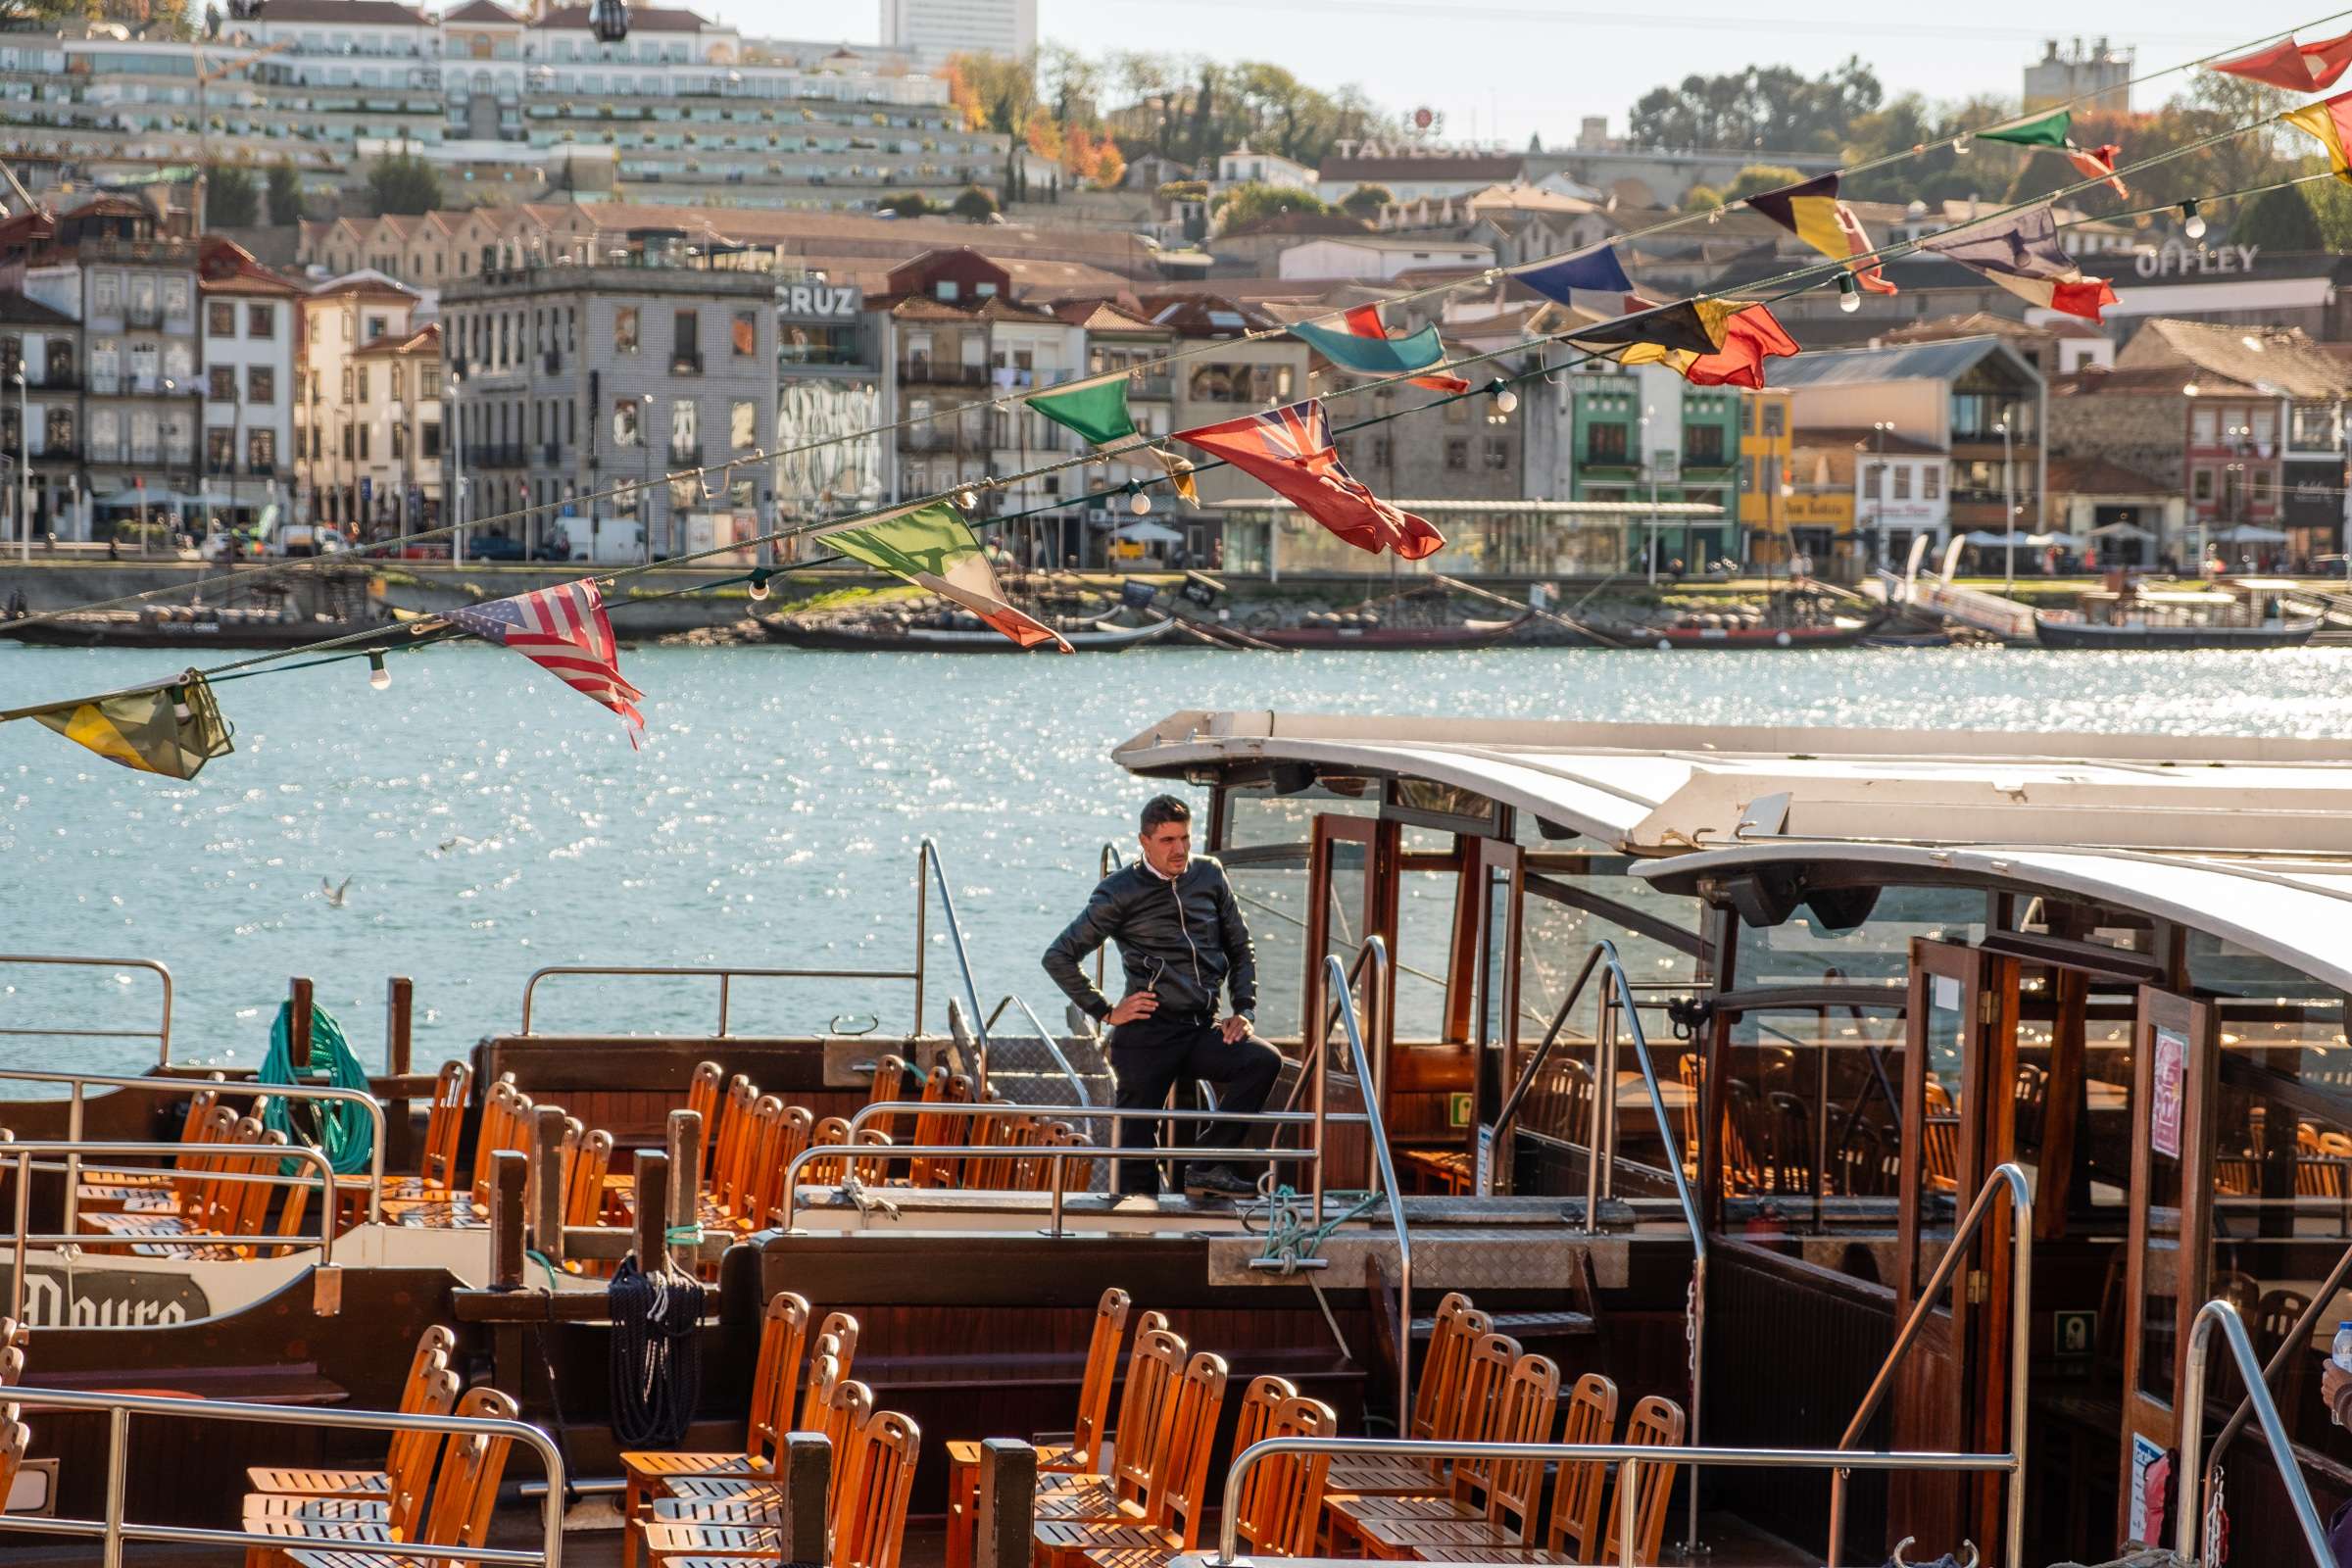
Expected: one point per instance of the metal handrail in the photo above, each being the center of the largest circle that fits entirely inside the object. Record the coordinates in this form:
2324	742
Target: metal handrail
2192	1406
1629	1458
2298	1336
1617	999
2021	1311
930	868
114	1530
1104	864
1277	1119
1371	958
161	1034
1052	1049
1386	1159
724	976
78	1081
23	1155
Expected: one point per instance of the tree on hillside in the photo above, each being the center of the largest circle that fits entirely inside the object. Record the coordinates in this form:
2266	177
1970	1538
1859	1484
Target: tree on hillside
285	194
1756	178
1366	201
1250	203
974	205
992	92
402	183
1770	108
1701	199
906	203
2279	220
232	199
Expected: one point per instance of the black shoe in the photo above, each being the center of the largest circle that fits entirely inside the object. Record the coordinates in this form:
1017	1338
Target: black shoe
1222	1180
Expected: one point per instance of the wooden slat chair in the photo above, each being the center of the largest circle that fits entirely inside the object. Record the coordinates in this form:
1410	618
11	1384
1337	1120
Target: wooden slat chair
681	1524
216	1203
831	1133
1463	1494
1573	1531
437	1167
1153	1364
1490	1498
1077	1175
388	1517
745	1203
584	1185
507	1115
118	1189
1077	1455
433	1350
1169	1516
776	1375
1437	1416
723	1185
463	1495
939	1123
890	1082
1656	1422
393	1497
1281	1500
792	1133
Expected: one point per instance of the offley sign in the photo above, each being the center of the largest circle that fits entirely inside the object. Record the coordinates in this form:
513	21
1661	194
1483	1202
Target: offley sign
2173	258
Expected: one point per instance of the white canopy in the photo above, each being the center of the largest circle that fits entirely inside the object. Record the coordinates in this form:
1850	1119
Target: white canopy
2121	530
1148	532
2024	541
2246	533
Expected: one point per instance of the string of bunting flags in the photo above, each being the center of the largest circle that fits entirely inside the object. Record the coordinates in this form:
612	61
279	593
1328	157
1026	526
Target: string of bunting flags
174	727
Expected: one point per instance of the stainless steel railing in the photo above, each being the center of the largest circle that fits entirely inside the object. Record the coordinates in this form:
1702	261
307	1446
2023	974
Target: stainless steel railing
1629	1458
1618	999
114	1531
1061	1060
77	1105
2292	1342
1334	975
161	1034
1056	1155
2012	1177
2192	1406
932	871
26	1156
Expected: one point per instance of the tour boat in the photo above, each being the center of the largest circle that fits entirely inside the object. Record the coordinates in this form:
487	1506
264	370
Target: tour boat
1862	1120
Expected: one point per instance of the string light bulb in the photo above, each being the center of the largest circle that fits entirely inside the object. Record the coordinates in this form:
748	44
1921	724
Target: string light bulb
966	499
1960	144
1506	401
1849	293
758	588
1137	501
378	675
2193	222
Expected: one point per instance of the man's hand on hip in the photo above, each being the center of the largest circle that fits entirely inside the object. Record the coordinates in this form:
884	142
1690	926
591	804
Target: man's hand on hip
1142	1005
1234	1029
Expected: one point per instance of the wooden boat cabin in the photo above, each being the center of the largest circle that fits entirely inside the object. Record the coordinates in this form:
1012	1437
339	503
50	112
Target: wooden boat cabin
1699	1058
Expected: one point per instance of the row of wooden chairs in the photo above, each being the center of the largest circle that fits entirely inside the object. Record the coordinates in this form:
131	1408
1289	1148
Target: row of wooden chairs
1478	1386
433	1490
207	1197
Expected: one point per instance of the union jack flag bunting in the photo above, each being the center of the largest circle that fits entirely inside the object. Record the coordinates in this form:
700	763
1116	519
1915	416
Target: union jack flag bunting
1290	451
565	631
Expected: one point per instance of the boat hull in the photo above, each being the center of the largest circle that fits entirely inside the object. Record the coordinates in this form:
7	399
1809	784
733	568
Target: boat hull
1666	638
2086	634
932	640
92	632
1387	638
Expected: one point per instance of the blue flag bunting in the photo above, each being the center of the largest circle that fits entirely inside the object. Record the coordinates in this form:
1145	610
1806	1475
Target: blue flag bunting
1596	269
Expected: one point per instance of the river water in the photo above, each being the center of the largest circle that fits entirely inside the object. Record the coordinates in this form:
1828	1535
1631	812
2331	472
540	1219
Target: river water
490	822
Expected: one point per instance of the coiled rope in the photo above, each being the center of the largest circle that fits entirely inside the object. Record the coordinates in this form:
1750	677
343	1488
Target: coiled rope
656	1353
343	1130
1290	1240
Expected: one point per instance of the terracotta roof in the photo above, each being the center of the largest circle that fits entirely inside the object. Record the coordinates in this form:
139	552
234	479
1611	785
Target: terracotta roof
2096	476
2286	358
2144	381
1841	435
1101	316
350	13
424	340
483	11
1300	224
366	280
642	18
18	309
223	267
1032	276
1195	315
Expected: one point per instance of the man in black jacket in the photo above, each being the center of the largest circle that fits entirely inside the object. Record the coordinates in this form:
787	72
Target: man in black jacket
1181	940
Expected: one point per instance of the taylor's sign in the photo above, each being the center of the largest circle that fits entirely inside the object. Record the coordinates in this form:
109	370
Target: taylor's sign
816	302
2173	258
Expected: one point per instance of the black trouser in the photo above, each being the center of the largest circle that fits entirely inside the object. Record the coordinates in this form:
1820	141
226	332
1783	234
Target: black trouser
1150	1055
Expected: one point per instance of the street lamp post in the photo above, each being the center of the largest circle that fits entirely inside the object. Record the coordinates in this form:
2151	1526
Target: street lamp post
2008	511
1649	462
456	424
24	468
645	495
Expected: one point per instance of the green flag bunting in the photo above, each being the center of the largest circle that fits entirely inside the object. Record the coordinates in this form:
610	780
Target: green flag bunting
2047	131
1096	409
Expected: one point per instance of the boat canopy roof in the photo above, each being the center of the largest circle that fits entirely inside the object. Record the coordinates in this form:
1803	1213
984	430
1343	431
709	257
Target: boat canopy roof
1675	789
2297	913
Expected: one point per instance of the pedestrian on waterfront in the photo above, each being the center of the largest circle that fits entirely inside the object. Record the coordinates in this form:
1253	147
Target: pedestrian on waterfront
1182	939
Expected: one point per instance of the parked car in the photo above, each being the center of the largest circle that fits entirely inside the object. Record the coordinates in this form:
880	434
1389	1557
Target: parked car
493	547
424	550
307	539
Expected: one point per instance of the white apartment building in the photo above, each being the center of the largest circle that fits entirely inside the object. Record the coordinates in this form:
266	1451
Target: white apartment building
249	318
937	28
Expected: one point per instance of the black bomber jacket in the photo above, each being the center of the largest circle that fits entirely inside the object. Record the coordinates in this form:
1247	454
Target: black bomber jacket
1183	938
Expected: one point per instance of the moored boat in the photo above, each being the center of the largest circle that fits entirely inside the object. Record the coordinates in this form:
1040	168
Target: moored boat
1103	636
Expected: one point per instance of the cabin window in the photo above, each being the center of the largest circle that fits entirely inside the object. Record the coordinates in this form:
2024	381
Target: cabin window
1855	938
1812	1113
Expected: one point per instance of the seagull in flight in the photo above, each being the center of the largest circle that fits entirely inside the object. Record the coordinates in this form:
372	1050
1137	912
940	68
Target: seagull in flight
334	893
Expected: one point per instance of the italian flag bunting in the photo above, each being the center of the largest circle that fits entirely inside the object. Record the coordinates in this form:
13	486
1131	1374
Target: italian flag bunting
2053	131
932	547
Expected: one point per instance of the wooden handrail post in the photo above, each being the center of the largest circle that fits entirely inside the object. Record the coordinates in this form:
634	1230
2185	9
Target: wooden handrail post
400	1015
510	1174
653	1210
807	1474
1005	1522
683	1137
298	1021
546	1203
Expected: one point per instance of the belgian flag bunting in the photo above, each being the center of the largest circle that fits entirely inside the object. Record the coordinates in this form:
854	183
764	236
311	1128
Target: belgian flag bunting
172	727
1809	210
2331	120
1652	332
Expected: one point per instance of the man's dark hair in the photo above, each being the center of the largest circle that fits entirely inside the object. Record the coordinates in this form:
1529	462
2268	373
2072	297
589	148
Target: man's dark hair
1161	810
